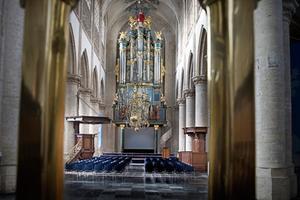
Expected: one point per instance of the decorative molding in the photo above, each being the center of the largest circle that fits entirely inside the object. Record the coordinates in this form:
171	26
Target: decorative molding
73	78
289	9
189	93
95	99
181	101
194	131
199	79
84	91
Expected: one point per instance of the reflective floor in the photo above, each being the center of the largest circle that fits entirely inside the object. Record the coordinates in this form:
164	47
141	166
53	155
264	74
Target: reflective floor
91	186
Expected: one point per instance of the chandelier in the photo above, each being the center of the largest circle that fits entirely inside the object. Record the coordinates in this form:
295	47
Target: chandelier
140	75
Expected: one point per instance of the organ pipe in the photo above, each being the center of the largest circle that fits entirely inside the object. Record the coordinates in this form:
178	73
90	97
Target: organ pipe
141	43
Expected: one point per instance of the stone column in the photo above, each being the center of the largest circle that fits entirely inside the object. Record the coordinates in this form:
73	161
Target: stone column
175	135
11	44
71	109
181	124
272	126
201	108
119	139
190	117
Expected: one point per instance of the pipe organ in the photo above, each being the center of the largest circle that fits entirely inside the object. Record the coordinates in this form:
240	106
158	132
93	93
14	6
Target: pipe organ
140	74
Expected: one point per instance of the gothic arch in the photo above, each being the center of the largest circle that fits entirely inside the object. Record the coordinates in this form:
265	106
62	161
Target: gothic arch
95	83
84	72
72	53
190	72
202	53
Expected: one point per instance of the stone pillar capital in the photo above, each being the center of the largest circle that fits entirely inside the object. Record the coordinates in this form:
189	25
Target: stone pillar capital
84	91
181	101
73	78
289	8
189	93
199	79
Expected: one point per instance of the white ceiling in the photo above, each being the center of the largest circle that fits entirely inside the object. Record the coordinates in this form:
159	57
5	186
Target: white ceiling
164	17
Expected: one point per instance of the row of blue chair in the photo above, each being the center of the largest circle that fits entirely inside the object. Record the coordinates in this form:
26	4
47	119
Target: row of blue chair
169	165
100	164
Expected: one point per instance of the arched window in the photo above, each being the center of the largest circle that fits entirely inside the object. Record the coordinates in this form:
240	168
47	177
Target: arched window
84	70
95	83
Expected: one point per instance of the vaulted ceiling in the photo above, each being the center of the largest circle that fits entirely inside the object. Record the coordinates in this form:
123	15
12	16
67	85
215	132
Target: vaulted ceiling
165	18
165	15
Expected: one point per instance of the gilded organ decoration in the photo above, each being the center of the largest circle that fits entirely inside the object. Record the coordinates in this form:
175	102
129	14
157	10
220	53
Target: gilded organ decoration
140	78
148	22
122	36
117	70
158	35
140	52
132	22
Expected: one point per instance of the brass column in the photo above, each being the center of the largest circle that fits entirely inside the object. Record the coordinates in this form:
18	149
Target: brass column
40	162
231	96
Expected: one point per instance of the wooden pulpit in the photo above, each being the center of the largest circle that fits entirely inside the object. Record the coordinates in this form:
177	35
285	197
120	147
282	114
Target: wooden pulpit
88	148
198	156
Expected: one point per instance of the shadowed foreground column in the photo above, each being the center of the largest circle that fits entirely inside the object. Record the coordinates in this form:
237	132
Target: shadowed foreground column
275	176
231	97
40	162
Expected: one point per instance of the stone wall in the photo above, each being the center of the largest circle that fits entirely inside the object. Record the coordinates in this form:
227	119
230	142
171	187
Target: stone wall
11	40
190	70
84	99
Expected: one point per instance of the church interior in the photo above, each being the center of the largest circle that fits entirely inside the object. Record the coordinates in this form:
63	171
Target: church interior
150	99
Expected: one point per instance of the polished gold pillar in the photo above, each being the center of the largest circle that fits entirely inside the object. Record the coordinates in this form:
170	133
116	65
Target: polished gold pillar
40	162
231	96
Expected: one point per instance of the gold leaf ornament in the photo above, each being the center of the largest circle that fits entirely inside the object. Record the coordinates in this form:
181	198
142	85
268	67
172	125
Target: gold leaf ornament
148	22
158	35
132	22
122	36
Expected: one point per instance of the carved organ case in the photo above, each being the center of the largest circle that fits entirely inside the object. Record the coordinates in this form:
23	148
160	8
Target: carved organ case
140	68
